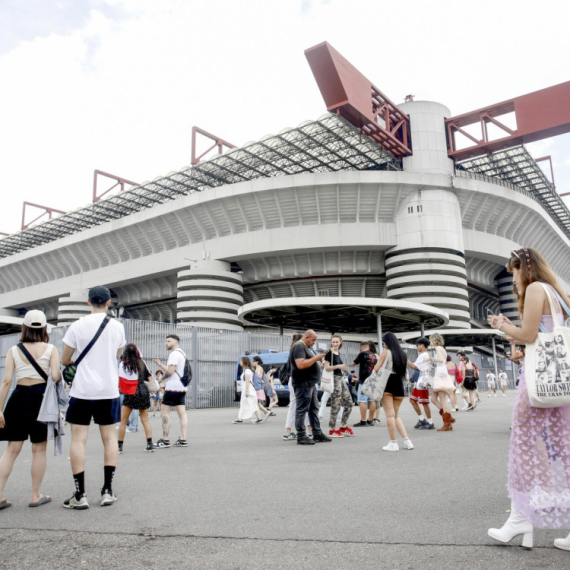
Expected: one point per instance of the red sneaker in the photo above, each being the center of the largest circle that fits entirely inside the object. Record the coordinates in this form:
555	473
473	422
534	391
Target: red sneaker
346	432
335	433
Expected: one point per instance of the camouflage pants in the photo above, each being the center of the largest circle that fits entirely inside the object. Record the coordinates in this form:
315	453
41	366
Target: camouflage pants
340	396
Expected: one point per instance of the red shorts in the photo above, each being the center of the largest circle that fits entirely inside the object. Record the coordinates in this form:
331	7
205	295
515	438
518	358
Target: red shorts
420	396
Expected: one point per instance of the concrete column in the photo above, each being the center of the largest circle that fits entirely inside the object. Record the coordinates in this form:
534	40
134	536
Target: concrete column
428	264
72	307
209	295
507	296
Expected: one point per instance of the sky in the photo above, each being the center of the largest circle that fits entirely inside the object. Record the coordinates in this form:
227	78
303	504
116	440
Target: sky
116	85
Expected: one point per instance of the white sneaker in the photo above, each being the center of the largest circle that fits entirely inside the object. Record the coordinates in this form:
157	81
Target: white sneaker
495	395
392	446
107	498
489	396
408	444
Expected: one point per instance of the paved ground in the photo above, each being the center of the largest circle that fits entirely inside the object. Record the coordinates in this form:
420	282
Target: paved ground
241	498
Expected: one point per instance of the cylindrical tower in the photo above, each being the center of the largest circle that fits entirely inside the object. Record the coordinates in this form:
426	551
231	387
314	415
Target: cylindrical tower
428	263
507	296
72	307
209	295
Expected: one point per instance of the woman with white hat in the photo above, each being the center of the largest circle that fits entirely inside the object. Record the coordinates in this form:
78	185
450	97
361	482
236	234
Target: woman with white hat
19	419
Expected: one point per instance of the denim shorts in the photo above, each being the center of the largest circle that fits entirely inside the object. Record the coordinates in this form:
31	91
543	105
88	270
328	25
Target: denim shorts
362	399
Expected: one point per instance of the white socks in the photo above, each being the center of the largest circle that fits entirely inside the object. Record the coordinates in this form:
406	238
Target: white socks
422	418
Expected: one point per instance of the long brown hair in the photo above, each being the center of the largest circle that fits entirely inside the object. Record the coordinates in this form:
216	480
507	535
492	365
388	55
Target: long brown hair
246	363
296	338
336	335
533	268
131	359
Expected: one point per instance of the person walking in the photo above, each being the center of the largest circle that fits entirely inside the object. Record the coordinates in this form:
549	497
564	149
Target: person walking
94	393
19	421
442	383
539	451
469	381
133	374
393	356
340	395
261	395
156	397
305	377
174	393
503	380
420	394
271	394
378	403
491	384
366	362
456	378
249	404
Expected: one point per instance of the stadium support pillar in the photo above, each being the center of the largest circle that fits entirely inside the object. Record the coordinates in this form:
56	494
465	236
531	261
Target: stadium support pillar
507	296
494	356
209	295
379	328
428	263
72	307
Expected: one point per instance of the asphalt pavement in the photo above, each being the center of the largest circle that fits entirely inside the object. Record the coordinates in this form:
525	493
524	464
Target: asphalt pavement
239	497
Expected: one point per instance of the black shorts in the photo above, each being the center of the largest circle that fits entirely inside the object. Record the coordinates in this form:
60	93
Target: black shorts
174	398
102	412
21	415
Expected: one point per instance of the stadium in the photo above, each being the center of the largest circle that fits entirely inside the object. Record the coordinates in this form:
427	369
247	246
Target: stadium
375	216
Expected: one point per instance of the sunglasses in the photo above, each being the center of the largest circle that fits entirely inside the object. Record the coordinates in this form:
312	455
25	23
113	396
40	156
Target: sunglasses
517	252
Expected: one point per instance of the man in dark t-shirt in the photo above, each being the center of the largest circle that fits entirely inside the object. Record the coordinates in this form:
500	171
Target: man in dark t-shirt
366	361
305	377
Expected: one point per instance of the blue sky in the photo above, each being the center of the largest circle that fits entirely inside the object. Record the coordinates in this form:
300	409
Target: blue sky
117	85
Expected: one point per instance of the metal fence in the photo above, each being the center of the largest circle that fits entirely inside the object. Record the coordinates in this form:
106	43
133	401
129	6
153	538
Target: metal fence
214	355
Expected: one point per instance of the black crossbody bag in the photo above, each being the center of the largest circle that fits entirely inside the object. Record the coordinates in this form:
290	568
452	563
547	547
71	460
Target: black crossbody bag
71	369
32	361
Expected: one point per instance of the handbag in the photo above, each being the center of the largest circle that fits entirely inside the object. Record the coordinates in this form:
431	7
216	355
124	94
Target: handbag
71	369
152	386
375	384
327	378
547	363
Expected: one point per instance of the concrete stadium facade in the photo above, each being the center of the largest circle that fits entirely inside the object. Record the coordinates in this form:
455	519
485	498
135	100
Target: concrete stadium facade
426	234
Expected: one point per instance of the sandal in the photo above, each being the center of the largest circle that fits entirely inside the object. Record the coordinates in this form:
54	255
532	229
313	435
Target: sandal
5	504
41	501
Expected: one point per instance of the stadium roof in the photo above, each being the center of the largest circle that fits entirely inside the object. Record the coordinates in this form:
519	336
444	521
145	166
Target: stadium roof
516	165
326	145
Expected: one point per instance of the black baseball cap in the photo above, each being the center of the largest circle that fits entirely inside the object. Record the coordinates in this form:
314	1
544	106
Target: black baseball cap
423	340
99	295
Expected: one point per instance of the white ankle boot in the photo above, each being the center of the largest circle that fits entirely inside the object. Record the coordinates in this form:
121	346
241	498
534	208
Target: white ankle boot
516	525
563	543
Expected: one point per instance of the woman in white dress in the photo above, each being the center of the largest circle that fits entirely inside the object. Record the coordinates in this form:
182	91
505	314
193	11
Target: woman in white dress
248	404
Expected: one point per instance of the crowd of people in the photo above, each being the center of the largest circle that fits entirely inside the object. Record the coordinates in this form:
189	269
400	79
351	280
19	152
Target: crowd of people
107	394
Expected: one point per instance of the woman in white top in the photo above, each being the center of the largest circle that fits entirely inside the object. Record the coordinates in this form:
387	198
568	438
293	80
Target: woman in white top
19	420
248	404
442	383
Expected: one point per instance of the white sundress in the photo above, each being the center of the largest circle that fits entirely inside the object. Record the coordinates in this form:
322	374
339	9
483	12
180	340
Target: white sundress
247	406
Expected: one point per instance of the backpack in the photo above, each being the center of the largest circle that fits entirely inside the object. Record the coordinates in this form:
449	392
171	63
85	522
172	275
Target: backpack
285	373
476	370
186	377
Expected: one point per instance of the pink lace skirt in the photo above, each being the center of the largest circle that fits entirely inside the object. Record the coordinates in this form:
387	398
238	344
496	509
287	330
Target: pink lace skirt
443	383
539	462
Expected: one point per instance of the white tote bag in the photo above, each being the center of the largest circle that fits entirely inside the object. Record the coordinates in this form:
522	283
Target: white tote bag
547	363
375	384
327	378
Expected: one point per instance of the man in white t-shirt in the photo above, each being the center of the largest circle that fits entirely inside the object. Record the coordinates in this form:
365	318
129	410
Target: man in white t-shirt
94	394
503	379
491	386
420	395
174	393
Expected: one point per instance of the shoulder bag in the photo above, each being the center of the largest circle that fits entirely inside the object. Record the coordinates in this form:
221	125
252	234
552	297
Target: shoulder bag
71	369
547	363
375	384
33	362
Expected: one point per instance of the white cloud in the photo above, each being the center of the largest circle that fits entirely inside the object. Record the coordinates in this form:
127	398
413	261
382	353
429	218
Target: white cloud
121	89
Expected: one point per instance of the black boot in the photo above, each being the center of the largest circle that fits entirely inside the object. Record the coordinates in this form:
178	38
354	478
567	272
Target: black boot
321	437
